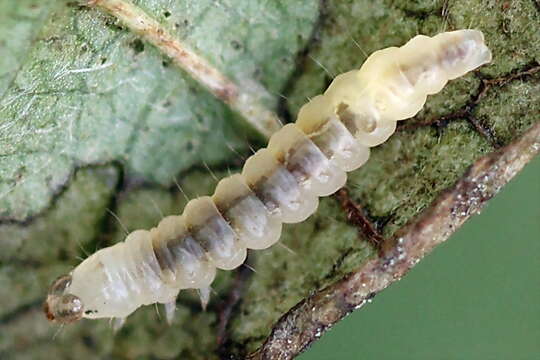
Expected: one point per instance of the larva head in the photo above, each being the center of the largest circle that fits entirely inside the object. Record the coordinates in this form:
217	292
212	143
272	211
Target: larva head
61	306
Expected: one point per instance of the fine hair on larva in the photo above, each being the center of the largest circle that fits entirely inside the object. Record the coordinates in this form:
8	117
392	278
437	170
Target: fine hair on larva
279	184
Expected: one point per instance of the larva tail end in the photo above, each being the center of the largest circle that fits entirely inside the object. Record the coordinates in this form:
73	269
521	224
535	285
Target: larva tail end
464	51
60	306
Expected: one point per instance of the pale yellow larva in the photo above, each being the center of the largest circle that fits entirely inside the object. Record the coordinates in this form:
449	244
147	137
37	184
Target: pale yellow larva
280	184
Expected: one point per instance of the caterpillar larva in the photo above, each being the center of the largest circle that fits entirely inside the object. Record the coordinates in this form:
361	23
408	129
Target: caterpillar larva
279	184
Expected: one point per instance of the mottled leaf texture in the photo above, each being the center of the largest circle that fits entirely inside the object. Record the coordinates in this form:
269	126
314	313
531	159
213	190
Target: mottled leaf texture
97	125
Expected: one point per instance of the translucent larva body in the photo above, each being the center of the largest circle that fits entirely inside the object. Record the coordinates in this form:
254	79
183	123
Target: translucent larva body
279	184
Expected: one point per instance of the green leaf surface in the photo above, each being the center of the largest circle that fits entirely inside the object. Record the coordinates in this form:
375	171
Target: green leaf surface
80	89
94	121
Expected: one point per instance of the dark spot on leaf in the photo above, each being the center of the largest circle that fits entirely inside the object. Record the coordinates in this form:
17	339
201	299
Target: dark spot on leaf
88	341
62	255
103	60
113	25
137	45
257	74
165	63
52	39
20	173
189	146
236	45
167	14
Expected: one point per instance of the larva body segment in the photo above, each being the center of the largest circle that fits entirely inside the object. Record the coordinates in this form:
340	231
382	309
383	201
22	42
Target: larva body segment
219	240
280	184
255	225
313	170
277	188
183	262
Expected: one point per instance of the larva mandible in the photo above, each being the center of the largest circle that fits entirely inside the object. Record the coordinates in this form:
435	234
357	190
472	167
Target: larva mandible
279	184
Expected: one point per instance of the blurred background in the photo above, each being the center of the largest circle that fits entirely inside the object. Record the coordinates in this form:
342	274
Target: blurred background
477	296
